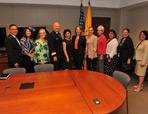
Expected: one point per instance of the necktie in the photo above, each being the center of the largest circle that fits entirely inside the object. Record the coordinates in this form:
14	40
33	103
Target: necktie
59	35
17	41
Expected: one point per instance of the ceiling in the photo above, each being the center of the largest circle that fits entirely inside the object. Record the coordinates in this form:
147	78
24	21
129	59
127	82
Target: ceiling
94	3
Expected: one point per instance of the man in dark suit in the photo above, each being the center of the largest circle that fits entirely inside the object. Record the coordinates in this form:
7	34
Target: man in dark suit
55	46
13	48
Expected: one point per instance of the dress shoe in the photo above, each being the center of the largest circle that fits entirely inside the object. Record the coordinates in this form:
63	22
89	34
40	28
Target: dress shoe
135	86
138	90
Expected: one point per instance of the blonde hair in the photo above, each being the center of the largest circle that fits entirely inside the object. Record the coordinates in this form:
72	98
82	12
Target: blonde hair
38	36
101	27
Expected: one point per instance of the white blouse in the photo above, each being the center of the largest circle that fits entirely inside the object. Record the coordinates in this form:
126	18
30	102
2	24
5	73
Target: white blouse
111	49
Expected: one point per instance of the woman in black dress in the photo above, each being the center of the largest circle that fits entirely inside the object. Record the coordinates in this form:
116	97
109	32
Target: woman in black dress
125	52
67	48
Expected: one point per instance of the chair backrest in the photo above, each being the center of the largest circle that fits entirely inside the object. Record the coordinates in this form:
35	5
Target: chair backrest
14	71
43	67
122	77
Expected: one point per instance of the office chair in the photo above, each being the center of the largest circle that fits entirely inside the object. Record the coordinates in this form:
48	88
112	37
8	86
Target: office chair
14	71
124	79
43	67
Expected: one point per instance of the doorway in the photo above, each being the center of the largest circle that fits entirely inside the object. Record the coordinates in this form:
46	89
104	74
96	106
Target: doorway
105	21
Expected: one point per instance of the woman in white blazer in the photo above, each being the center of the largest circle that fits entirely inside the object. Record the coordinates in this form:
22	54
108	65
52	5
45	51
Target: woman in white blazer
141	59
110	63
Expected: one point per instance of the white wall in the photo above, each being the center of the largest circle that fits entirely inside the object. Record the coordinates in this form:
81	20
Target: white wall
94	3
46	15
123	21
137	21
135	18
124	3
26	15
38	16
114	14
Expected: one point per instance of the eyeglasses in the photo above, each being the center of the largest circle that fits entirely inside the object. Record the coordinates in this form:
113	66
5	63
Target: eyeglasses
13	29
125	32
42	32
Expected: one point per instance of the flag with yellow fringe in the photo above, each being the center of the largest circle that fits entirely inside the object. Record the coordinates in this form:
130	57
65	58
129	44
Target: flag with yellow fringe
87	25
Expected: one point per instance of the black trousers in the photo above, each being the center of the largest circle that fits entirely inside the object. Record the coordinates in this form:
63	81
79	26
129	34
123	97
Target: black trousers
67	65
78	59
57	64
91	64
20	62
29	65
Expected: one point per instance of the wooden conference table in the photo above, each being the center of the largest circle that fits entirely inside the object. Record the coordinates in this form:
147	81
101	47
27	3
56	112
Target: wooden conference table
61	92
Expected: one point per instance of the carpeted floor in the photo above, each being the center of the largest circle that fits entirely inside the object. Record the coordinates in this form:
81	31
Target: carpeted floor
137	101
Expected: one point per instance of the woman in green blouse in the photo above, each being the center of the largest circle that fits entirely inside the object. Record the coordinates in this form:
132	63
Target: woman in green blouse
41	48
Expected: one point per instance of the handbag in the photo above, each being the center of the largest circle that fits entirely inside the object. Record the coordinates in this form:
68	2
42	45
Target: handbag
126	67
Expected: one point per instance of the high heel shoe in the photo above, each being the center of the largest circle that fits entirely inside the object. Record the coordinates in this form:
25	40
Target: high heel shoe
135	86
138	90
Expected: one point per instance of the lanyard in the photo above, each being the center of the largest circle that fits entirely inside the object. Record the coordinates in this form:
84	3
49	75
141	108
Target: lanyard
138	45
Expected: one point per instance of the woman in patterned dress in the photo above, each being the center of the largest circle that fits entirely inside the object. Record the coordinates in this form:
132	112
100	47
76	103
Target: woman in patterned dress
28	48
41	48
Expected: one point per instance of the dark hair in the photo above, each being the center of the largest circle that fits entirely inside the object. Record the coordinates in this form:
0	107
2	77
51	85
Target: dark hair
66	30
145	33
12	25
24	32
127	29
114	32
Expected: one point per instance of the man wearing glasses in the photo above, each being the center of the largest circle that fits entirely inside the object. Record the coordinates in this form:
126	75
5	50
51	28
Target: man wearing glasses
13	48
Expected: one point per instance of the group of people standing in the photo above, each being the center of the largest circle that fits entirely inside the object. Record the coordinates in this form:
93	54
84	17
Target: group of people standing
47	48
103	54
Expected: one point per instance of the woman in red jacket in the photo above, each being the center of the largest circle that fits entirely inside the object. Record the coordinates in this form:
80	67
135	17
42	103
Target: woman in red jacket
101	49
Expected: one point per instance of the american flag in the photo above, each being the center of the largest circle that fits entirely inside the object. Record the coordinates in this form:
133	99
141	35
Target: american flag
81	20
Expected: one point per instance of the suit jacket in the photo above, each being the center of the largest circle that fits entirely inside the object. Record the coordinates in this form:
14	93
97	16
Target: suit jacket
81	44
101	45
14	51
142	52
92	46
125	50
55	44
